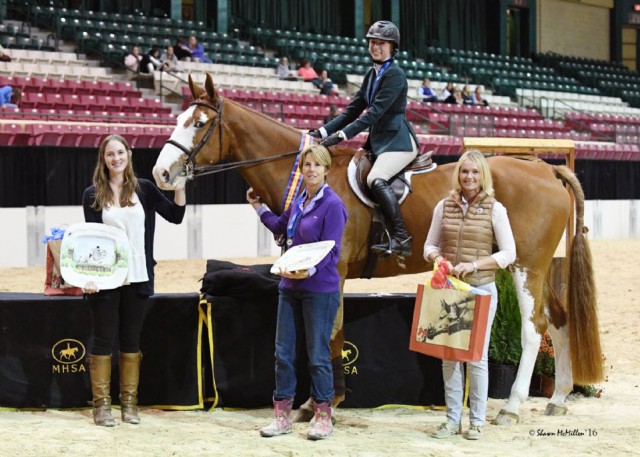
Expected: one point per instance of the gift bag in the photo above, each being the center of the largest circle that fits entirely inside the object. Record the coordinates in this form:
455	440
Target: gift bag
54	284
449	324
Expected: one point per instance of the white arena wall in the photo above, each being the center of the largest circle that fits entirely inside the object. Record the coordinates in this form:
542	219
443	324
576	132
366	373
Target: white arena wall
224	231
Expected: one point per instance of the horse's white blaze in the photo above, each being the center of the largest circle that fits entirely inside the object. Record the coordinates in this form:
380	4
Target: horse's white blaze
172	158
530	340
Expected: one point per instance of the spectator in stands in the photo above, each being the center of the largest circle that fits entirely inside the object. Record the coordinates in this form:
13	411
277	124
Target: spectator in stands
182	50
151	62
426	93
170	61
197	50
467	97
4	55
478	99
308	299
333	113
132	61
307	73
392	141
466	224
455	97
446	92
119	199
10	97
328	88
284	72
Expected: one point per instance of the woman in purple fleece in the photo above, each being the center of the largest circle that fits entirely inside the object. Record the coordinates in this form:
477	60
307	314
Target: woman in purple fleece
309	299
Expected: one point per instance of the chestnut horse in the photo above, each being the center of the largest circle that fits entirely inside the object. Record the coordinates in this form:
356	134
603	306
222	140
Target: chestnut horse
214	130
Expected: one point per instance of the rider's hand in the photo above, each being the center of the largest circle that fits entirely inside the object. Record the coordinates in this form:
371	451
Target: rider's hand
315	134
333	139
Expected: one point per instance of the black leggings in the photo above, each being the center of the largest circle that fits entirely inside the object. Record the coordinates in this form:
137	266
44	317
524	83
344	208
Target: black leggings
120	309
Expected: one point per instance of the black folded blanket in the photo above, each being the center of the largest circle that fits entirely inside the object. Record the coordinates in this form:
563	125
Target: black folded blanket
246	282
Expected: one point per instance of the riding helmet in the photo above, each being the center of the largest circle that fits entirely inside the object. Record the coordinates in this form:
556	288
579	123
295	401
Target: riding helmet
385	30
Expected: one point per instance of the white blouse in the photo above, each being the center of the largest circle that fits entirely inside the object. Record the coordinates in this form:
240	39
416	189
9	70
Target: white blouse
131	220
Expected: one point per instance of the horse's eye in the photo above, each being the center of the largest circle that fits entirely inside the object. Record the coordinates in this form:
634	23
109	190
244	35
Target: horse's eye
199	124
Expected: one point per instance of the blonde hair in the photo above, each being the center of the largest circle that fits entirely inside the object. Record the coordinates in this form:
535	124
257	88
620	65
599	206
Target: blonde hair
319	153
104	195
486	181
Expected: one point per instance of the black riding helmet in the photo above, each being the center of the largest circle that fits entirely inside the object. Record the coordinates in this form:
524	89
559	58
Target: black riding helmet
385	30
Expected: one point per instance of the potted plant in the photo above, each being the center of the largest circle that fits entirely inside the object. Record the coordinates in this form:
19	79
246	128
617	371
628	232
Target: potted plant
542	382
504	346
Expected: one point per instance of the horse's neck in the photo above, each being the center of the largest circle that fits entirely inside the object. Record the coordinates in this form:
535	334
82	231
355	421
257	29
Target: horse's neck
265	137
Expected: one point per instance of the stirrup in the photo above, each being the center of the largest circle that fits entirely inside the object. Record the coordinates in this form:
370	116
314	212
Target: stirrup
393	247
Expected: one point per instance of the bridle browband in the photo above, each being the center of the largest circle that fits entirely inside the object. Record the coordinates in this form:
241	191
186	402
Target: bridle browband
192	170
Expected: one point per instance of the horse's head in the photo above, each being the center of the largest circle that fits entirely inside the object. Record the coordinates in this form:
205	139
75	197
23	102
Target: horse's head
197	138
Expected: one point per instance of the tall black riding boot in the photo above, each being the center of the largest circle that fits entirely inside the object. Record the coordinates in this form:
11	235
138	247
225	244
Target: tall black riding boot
399	240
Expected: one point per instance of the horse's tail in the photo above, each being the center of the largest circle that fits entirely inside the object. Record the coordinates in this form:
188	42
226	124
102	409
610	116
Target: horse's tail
584	333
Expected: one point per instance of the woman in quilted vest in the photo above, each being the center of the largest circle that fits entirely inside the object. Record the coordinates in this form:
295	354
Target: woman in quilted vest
465	226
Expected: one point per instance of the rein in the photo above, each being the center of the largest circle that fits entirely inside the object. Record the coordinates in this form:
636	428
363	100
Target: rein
192	170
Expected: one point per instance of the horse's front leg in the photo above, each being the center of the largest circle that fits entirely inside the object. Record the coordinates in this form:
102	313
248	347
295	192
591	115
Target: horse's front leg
563	374
530	301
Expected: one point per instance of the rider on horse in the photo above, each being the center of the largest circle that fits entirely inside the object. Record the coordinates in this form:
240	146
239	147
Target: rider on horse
383	94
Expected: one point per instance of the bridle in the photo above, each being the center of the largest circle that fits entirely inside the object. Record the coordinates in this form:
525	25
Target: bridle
190	164
191	170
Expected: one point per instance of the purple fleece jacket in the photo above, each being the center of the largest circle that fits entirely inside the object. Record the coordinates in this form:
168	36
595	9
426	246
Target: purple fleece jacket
323	219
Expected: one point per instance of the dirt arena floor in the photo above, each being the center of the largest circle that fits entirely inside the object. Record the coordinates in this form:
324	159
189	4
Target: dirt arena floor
608	425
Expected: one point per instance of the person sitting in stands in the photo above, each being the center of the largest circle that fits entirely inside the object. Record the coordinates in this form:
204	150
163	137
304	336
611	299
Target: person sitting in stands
284	72
170	61
132	61
197	51
151	62
181	50
446	92
426	93
10	97
477	97
455	97
328	88
307	73
467	98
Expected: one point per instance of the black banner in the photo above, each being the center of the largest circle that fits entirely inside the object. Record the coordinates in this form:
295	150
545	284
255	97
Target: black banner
44	342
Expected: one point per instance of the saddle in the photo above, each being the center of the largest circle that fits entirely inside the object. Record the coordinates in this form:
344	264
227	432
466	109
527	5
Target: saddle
361	165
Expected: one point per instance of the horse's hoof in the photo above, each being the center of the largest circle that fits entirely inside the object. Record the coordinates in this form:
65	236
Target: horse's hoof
506	418
555	410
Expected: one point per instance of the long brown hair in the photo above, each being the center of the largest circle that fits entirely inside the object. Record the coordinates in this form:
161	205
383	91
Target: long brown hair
104	195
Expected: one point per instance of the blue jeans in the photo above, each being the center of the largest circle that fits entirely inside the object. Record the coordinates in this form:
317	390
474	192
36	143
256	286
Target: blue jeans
309	315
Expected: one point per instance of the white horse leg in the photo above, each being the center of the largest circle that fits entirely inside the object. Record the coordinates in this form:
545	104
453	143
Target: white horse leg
564	375
530	340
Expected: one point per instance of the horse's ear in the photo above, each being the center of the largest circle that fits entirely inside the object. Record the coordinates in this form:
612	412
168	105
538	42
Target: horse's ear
208	85
196	91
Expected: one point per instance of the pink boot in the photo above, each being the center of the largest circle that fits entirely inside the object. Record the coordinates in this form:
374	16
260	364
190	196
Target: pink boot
281	423
321	425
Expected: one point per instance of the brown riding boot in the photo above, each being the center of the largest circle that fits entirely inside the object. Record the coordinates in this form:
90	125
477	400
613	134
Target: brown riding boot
129	378
100	373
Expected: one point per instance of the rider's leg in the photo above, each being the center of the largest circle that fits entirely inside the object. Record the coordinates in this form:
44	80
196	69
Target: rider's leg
384	168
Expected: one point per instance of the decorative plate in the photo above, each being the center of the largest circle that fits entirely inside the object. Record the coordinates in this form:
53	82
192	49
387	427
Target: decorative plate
94	252
302	256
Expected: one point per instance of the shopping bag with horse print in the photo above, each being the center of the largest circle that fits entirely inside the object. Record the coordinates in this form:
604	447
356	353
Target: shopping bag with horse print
449	324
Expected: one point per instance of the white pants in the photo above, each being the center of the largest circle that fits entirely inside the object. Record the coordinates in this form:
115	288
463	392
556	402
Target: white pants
390	163
452	373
